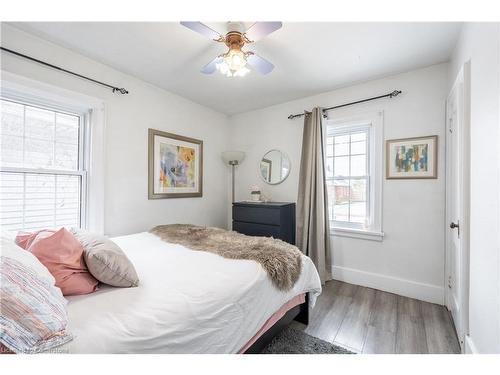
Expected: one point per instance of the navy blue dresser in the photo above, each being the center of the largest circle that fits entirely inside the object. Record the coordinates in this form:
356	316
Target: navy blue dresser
272	219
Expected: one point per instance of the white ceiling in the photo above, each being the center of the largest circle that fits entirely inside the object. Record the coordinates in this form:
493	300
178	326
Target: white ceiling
310	58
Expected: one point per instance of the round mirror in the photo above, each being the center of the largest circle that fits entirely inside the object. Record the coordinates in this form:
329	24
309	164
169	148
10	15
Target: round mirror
274	167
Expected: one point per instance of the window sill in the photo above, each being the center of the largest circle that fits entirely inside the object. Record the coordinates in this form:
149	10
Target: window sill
362	234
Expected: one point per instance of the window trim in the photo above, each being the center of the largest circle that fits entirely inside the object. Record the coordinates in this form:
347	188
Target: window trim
357	233
82	165
32	92
374	122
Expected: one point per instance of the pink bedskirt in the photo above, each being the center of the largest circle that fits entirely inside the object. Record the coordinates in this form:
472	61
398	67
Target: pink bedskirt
297	300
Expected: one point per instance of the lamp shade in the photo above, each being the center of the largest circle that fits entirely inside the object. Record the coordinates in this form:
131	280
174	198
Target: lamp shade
233	156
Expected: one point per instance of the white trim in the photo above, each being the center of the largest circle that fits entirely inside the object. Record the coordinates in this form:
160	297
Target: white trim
403	287
24	97
42	171
470	347
96	171
39	93
498	236
375	122
362	234
83	165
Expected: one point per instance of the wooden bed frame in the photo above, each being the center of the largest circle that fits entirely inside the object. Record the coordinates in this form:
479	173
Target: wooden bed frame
299	313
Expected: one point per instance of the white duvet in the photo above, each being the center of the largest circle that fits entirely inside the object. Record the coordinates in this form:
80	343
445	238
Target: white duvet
187	302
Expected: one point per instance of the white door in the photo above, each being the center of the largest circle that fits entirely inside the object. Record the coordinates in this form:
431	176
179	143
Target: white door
457	180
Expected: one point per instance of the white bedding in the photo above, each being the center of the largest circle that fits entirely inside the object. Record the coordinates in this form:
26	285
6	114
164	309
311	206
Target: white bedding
187	302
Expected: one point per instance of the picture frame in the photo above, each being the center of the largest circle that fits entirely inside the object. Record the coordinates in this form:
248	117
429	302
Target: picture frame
175	166
412	158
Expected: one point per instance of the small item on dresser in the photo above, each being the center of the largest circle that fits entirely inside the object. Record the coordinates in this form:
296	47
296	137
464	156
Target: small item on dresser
106	261
255	193
33	316
62	254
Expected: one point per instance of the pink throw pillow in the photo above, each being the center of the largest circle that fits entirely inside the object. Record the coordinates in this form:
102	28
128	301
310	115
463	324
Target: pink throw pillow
62	254
25	239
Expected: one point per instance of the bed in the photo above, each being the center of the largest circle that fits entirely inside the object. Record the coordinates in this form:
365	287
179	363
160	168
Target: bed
187	302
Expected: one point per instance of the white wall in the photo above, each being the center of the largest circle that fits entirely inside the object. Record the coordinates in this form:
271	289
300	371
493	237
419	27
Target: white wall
480	43
127	208
410	259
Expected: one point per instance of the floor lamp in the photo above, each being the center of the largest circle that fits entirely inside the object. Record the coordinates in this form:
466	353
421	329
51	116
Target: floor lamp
233	158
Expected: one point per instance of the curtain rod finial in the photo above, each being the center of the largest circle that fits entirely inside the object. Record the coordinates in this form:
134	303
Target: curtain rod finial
121	91
395	93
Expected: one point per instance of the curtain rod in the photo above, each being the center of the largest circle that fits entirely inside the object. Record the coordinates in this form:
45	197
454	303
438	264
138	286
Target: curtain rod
115	89
390	95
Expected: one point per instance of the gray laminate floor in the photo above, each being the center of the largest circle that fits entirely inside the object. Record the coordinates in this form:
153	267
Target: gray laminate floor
366	320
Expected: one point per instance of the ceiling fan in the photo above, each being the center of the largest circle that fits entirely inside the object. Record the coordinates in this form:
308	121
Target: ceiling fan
234	62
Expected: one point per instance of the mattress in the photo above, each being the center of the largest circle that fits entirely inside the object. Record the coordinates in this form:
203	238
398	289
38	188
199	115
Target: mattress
187	302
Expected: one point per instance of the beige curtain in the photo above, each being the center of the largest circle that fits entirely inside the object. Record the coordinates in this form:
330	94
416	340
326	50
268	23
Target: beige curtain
313	228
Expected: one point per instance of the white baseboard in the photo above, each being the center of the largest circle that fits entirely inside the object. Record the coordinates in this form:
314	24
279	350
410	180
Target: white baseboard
403	287
470	348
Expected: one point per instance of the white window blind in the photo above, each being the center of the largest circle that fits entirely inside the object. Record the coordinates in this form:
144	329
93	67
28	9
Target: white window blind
347	175
42	175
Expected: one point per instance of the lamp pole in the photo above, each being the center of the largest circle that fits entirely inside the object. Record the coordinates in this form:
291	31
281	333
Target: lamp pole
233	164
233	158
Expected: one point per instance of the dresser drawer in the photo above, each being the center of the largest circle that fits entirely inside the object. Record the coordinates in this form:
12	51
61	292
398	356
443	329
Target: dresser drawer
261	215
267	219
252	229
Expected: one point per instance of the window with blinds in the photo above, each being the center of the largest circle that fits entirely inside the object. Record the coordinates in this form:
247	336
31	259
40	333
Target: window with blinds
347	175
42	175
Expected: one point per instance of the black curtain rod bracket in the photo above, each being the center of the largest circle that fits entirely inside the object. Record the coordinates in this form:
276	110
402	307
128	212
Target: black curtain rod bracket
390	95
119	90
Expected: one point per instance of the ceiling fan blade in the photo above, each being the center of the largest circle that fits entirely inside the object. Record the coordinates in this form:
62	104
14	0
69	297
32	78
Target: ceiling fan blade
211	66
260	64
260	29
202	29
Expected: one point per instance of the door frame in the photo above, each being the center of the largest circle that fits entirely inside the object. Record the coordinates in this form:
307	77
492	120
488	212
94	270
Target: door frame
462	325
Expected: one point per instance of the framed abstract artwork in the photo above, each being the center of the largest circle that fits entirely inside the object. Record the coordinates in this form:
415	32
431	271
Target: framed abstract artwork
175	166
412	157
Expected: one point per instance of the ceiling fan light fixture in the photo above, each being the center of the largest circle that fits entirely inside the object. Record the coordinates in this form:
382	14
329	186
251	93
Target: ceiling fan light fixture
241	72
235	59
233	64
223	67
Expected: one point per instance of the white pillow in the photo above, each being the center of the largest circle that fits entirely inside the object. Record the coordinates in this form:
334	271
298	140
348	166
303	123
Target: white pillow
9	249
8	234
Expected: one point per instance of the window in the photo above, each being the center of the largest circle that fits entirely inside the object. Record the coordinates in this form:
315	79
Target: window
347	176
353	156
42	167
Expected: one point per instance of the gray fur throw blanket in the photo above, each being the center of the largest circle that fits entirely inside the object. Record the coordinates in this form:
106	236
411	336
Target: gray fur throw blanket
281	260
